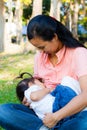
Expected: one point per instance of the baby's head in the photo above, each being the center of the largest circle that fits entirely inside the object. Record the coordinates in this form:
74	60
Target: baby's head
23	85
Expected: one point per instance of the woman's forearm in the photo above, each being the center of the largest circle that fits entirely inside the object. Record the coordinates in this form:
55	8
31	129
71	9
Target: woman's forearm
74	106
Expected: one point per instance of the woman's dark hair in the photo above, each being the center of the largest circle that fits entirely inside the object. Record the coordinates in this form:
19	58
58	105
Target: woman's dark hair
46	27
23	85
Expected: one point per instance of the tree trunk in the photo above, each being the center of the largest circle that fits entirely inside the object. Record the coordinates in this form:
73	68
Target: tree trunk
68	20
58	9
84	7
37	7
75	19
70	16
18	21
2	22
55	9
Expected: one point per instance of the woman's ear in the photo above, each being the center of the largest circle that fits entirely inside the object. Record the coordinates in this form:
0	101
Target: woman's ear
55	36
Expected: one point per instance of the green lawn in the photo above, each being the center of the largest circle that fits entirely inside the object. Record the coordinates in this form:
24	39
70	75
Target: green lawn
10	67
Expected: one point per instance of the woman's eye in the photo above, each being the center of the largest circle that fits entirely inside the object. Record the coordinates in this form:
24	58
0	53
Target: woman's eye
41	48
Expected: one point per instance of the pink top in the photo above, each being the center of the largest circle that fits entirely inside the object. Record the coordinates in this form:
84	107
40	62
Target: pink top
71	62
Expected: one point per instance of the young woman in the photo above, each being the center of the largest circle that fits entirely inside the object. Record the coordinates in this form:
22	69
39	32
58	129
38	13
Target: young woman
60	55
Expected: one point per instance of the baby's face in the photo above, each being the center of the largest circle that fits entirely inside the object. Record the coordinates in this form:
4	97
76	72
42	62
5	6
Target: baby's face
36	81
30	84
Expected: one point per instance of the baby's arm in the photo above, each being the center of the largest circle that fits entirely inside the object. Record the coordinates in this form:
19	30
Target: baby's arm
39	94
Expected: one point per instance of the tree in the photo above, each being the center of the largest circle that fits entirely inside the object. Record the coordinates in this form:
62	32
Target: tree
71	9
46	7
26	2
55	9
37	7
18	20
75	18
67	11
2	23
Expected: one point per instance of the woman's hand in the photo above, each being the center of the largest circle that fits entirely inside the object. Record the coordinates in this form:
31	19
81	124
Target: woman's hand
50	120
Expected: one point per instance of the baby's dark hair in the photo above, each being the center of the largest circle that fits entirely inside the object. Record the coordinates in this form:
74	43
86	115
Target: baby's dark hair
23	85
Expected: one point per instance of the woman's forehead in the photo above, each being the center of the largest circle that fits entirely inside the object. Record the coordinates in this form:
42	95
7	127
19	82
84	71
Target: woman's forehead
37	41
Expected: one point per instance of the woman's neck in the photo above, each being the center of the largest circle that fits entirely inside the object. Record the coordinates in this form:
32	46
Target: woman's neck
53	59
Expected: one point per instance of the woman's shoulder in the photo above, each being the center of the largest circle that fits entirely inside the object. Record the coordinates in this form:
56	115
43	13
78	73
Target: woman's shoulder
80	51
77	54
80	58
81	48
77	51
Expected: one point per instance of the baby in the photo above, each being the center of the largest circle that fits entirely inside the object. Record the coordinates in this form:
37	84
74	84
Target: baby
41	99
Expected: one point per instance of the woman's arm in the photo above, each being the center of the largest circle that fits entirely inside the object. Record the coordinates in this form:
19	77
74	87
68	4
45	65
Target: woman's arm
74	106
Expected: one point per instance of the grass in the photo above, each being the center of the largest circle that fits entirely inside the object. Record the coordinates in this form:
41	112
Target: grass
10	67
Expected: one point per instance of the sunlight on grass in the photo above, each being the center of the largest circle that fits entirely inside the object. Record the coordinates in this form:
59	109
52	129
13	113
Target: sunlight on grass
1	128
10	67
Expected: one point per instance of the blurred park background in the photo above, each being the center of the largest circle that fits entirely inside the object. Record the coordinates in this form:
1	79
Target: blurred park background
15	14
16	53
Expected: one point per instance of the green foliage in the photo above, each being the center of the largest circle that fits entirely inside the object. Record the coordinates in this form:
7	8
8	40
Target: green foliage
46	7
83	36
1	128
83	22
65	0
26	2
27	11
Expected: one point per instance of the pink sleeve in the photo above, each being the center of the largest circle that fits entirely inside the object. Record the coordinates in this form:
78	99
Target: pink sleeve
80	61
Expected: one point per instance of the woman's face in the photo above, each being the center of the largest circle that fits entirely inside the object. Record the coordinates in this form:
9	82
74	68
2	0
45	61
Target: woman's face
49	47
